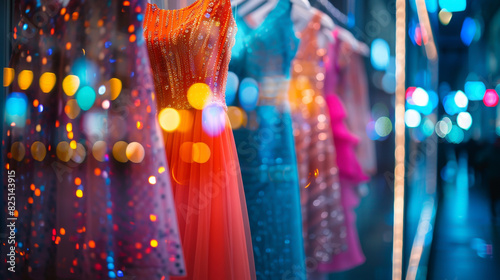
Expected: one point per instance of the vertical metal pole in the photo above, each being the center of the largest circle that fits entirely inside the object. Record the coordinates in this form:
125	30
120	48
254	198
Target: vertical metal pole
399	170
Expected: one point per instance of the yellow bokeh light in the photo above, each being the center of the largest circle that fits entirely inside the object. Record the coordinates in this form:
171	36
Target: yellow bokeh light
199	95
64	151
79	193
38	128
25	79
69	127
115	87
38	151
445	16
120	151
135	152
70	85
237	117
152	218
79	153
154	243
161	170
201	152
169	119
18	151
186	152
72	109
8	76
99	150
72	144
47	82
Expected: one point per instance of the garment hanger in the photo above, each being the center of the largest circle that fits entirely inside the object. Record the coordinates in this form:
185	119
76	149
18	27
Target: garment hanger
343	34
301	18
357	46
333	11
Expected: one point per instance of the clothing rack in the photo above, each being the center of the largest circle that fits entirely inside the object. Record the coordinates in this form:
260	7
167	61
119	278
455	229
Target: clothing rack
346	36
336	13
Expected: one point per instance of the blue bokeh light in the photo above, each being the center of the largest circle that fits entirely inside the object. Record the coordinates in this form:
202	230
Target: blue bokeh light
380	54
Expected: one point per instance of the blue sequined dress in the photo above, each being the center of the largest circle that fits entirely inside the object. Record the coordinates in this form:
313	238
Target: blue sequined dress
258	91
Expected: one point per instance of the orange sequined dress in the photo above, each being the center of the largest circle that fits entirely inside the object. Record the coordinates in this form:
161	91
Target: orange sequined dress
189	50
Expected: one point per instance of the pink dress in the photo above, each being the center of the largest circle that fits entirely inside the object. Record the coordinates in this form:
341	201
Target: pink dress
350	170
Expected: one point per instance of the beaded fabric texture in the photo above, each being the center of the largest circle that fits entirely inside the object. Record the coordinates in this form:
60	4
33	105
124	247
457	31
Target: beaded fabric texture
322	211
188	46
93	200
265	144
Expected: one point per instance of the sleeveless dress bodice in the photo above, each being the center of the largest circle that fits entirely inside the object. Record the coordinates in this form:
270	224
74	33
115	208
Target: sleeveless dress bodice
189	46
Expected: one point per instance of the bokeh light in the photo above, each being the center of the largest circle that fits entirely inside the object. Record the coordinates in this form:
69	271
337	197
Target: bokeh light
47	82
237	117
427	127
464	120
456	135
468	31
85	97
64	151
18	151
389	83
169	119
231	87
370	131
72	109
201	152
199	95
99	151
249	94
213	120
461	99
16	107
25	79
380	54
412	118
186	152
453	5
115	86
135	152
38	151
443	127
79	153
450	106
17	104
70	85
445	17
490	98
120	151
8	76
475	90
383	126
420	97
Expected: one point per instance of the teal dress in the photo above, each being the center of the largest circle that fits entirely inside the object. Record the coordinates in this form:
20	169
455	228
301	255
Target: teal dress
258	85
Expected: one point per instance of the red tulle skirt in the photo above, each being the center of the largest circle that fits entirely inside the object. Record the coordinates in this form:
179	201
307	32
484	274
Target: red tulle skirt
209	196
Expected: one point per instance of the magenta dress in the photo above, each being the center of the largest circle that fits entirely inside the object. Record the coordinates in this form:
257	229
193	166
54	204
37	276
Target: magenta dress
351	173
